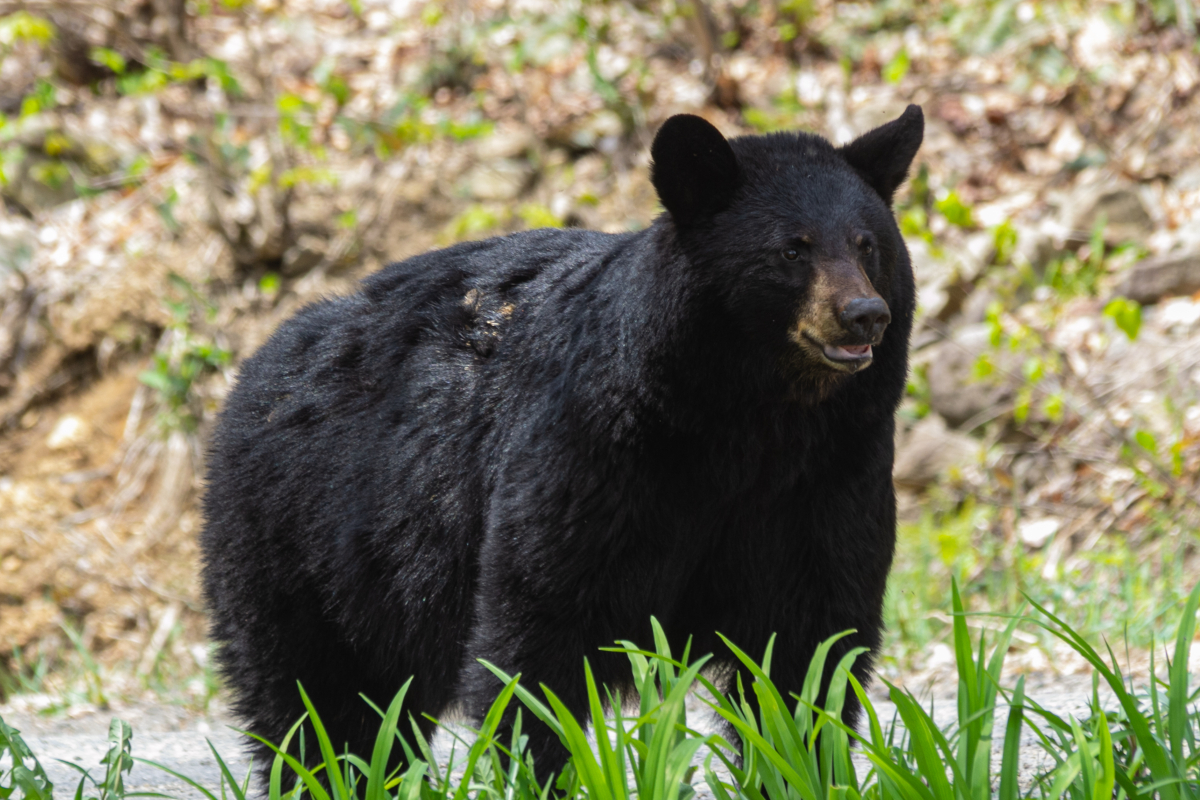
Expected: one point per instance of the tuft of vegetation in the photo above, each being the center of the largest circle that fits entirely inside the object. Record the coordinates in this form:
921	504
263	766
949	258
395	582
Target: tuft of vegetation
1143	747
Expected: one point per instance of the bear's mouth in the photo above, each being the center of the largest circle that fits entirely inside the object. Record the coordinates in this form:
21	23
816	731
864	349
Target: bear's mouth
843	357
847	352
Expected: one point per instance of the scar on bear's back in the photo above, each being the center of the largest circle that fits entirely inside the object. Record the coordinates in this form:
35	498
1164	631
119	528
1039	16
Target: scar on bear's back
485	317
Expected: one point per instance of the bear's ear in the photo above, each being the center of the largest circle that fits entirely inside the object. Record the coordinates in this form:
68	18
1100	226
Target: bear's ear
882	156
694	169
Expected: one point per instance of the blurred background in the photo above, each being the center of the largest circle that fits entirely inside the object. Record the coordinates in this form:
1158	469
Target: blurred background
178	176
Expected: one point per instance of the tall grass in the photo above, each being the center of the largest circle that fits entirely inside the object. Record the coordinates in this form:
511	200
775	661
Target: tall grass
788	748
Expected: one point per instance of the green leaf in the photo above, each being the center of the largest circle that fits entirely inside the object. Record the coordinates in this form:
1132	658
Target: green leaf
1054	406
1010	760
1177	695
384	740
955	211
1147	441
1022	405
1126	314
157	380
25	27
108	58
1004	241
332	769
897	68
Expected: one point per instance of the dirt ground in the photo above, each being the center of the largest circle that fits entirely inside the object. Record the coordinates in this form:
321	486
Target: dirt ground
149	261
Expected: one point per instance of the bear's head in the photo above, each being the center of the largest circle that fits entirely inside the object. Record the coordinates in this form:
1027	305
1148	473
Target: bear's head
798	236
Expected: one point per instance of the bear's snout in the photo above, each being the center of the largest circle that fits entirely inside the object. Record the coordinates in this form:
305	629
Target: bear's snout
864	318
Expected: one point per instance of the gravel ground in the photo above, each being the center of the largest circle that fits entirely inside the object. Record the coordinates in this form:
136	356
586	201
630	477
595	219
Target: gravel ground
179	738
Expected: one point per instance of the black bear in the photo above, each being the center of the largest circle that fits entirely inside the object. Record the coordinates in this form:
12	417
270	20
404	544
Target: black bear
520	449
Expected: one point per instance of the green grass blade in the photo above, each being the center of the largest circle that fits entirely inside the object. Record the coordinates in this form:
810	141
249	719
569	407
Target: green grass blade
384	740
32	779
1065	775
575	740
427	756
1087	769
412	781
527	698
611	762
332	768
1010	760
678	763
835	745
310	781
922	733
668	742
663	648
768	695
877	737
623	747
751	737
1106	780
226	774
908	785
1177	692
814	676
989	687
720	790
484	737
962	649
177	775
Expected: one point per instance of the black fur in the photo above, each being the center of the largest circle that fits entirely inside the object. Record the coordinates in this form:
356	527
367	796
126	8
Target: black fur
694	169
520	449
882	156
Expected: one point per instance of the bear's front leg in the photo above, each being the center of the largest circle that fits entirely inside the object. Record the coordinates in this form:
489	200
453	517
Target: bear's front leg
547	650
540	613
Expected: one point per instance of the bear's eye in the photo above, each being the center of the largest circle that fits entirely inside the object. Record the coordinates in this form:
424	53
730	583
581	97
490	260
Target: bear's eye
791	254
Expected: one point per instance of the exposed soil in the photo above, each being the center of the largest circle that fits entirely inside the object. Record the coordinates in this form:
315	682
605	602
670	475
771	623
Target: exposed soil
100	475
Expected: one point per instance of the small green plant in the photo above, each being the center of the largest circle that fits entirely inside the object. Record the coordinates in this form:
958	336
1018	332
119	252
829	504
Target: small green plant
24	27
23	773
117	763
183	359
895	70
1004	243
956	212
1126	314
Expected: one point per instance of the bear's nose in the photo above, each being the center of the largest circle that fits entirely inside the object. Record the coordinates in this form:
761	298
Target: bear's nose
866	317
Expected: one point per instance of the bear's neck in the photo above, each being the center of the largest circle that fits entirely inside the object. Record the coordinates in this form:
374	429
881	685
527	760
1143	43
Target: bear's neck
679	358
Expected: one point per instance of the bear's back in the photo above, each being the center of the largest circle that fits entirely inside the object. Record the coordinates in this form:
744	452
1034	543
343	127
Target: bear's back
421	326
383	397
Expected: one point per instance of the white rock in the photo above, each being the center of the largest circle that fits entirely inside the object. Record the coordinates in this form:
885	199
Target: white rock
1036	532
1068	142
70	431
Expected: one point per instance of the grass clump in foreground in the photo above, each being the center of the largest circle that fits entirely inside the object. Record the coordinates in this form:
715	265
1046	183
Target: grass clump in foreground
1146	747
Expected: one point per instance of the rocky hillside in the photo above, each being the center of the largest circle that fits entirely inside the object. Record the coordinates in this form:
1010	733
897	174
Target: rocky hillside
178	178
